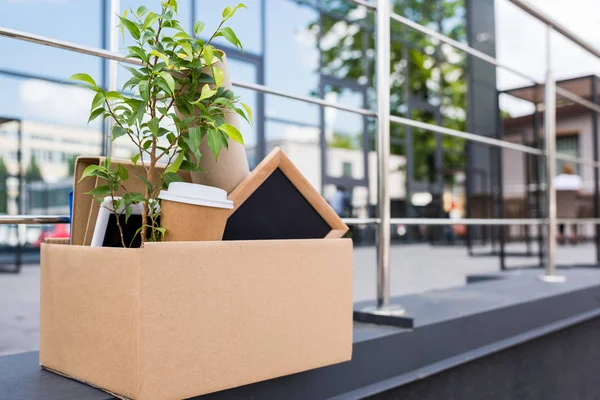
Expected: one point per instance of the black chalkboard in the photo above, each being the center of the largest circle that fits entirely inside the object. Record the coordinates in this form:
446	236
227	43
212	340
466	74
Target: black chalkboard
276	210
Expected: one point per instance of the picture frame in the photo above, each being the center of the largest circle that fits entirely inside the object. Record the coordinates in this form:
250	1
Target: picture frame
277	202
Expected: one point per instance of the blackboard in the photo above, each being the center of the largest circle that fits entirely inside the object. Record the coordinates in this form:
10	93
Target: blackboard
276	210
276	202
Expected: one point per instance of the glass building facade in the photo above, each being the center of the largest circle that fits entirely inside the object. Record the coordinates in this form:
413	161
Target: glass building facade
322	48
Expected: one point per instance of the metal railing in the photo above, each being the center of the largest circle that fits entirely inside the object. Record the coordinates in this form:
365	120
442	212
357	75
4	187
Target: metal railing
384	17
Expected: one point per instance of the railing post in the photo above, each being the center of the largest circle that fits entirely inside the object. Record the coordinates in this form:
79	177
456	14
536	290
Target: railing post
383	151
550	134
383	312
383	49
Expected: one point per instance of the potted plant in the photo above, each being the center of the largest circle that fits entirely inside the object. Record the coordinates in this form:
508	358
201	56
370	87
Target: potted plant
180	104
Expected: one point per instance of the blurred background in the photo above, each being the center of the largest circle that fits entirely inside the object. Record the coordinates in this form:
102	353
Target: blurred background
325	48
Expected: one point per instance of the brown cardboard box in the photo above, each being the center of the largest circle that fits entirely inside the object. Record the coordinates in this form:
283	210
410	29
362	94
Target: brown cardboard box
174	320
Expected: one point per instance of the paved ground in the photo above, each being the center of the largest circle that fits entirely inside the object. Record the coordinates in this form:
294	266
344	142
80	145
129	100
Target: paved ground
415	268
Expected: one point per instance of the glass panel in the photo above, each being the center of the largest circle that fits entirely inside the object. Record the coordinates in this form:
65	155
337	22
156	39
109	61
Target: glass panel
246	23
75	21
291	56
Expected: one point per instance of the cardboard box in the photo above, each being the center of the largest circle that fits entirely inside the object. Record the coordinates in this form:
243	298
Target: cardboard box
174	320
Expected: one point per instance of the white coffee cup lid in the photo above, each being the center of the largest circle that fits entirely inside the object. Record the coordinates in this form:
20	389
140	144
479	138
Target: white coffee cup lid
192	193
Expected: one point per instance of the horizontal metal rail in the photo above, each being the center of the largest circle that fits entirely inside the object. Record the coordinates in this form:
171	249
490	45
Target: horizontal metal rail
468	221
587	221
577	99
577	160
306	99
465	135
64	219
60	44
34	219
361	221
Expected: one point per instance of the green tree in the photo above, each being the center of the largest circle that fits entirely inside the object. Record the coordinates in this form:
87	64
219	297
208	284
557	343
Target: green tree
33	172
424	70
3	187
341	141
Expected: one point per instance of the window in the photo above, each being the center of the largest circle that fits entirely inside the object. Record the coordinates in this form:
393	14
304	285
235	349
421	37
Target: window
567	145
347	169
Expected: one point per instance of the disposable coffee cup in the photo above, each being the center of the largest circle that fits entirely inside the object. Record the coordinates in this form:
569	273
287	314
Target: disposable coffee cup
193	213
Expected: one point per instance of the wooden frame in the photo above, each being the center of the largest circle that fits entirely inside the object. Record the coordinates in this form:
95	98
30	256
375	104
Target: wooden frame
277	159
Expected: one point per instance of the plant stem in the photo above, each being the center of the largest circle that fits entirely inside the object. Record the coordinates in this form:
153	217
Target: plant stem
117	217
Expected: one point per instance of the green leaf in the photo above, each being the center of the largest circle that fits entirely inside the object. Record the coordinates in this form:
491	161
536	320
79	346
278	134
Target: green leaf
148	184
208	54
153	125
219	76
206	93
135	158
83	78
162	131
232	132
187	48
134	31
205	78
169	79
161	83
114	95
122	27
95	114
241	113
103	190
89	171
198	28
174	167
214	142
224	140
195	135
117	132
98	100
150	20
141	110
141	11
171	177
228	12
122	172
128	212
143	88
181	35
225	102
190	166
231	37
137	52
249	112
161	56
133	71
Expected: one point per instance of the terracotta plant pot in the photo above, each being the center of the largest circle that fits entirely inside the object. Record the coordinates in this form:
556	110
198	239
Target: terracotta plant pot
232	166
